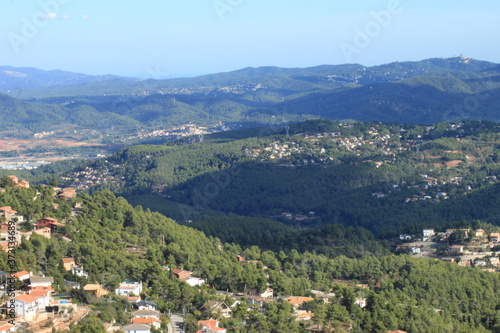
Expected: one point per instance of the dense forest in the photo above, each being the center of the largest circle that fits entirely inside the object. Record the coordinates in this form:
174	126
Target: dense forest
387	178
403	293
424	92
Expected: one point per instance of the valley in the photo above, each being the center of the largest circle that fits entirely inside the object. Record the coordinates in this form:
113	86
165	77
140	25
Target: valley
324	199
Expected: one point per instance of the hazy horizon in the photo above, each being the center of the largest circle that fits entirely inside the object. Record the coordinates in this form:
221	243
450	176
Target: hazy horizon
175	39
192	75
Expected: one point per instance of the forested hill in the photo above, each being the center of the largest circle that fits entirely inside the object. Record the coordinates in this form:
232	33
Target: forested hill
388	178
424	92
15	80
114	242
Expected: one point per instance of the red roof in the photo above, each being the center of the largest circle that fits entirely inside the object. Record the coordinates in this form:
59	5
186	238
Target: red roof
211	324
42	288
6	327
134	298
68	260
8	209
26	298
19	274
40	293
145	321
208	323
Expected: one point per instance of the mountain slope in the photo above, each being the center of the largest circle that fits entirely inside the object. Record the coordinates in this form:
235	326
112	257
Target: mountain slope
16	79
424	92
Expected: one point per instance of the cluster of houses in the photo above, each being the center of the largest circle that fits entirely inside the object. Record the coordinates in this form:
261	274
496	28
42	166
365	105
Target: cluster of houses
278	151
34	301
11	225
19	183
175	131
89	177
473	247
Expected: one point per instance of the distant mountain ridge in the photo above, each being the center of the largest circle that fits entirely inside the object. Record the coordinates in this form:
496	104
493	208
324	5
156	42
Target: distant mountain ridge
422	92
18	78
291	79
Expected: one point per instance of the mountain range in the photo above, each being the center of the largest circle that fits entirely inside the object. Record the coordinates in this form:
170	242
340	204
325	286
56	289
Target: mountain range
423	92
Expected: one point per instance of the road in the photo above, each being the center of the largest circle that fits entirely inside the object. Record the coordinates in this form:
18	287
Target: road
176	324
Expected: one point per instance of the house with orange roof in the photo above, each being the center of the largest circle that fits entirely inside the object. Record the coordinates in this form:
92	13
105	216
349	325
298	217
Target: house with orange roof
68	263
209	326
14	179
50	223
156	323
181	274
7	212
297	301
23	184
133	299
67	193
44	297
27	306
96	289
43	288
21	276
7	328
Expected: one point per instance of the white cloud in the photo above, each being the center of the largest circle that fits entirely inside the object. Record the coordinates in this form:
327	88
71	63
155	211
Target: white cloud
85	17
49	16
66	17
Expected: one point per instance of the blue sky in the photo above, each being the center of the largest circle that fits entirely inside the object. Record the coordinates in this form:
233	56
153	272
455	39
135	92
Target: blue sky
176	38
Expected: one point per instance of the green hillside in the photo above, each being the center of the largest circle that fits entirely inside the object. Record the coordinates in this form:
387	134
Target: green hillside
114	242
425	92
387	178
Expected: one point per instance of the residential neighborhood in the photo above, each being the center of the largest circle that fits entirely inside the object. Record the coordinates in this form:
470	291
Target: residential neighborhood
465	247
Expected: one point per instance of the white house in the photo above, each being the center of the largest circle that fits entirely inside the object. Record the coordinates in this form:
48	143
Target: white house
415	250
129	288
146	314
44	297
361	302
78	271
145	305
27	306
136	328
194	281
41	281
480	262
427	234
269	292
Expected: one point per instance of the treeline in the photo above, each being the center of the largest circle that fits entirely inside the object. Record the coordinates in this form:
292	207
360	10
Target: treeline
330	240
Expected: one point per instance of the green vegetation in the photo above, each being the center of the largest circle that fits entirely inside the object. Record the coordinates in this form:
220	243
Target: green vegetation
404	293
387	178
425	92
